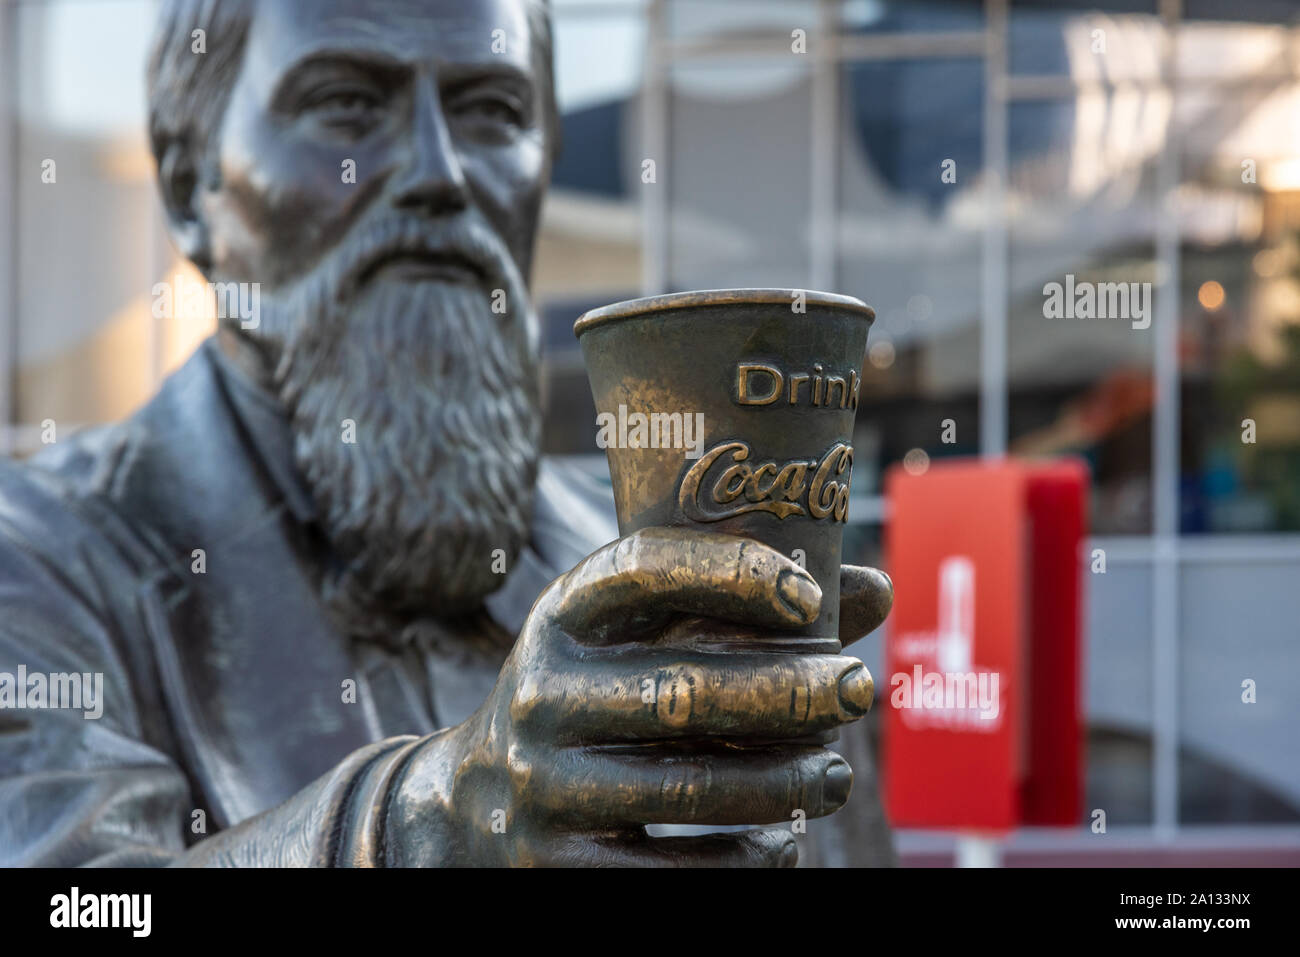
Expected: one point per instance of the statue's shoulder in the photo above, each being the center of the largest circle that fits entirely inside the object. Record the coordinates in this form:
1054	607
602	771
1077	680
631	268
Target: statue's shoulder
68	559
121	481
43	496
76	466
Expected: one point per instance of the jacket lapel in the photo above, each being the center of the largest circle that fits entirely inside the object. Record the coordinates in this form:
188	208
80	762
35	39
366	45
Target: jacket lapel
251	669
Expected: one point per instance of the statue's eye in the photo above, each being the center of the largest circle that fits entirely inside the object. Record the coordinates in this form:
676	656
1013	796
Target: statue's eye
342	105
490	108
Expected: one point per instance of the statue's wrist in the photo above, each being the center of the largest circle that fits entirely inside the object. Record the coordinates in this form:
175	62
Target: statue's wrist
422	819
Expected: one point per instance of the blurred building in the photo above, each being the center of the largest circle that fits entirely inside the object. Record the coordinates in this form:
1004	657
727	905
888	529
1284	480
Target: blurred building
943	161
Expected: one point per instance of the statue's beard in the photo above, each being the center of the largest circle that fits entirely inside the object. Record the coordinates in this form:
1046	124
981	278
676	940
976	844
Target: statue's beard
415	413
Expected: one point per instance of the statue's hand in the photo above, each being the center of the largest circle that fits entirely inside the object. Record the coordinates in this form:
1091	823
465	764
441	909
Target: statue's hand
612	713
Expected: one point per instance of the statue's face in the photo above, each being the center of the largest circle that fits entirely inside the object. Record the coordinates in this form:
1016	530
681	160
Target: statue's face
344	105
381	167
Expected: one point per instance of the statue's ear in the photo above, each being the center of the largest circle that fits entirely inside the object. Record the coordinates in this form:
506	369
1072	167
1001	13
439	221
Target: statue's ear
179	181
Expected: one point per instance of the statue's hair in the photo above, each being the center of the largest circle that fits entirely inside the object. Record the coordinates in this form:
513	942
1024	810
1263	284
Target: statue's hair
188	92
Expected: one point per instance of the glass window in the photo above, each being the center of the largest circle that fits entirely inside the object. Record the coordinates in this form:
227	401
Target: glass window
1239	342
739	174
713	27
1118	682
1103	41
1259	11
1082	276
89	237
1237	708
589	250
909	238
910	17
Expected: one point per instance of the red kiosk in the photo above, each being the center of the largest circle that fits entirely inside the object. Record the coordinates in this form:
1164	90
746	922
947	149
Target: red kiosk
982	687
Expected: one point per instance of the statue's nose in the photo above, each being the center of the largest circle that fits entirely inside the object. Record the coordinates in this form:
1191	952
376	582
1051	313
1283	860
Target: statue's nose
433	179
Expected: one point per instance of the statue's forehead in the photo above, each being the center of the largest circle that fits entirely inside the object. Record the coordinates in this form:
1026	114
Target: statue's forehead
285	31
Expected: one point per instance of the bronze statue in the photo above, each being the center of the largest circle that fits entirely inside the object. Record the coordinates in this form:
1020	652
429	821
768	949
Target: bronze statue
331	533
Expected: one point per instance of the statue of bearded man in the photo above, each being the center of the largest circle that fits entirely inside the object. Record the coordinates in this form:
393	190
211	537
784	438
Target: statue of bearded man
286	566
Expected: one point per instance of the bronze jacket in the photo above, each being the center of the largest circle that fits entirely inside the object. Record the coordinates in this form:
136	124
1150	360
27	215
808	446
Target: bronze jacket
171	554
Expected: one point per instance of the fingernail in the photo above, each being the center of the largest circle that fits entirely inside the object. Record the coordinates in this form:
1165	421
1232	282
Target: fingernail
856	691
836	785
801	593
887	592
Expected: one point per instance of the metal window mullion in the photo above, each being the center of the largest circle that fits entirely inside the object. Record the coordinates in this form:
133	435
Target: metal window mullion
8	218
994	386
953	45
655	146
857	48
1165	464
1049	87
823	222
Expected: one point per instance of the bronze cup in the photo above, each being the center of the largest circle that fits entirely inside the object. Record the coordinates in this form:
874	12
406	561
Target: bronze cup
732	411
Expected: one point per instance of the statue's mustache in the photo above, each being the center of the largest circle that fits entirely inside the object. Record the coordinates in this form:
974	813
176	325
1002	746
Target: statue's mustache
461	245
303	322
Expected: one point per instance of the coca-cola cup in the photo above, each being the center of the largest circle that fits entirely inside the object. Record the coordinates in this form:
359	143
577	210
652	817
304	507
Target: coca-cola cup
732	411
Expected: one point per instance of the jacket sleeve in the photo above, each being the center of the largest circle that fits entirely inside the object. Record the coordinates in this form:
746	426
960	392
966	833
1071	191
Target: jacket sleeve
93	781
80	781
336	821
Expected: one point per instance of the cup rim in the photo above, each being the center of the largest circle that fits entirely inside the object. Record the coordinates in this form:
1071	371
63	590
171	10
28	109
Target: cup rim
632	308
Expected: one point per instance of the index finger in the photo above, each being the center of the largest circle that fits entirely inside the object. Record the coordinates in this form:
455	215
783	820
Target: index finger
866	596
638	583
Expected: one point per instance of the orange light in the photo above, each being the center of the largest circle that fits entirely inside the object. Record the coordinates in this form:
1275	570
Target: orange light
882	354
1210	295
916	462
